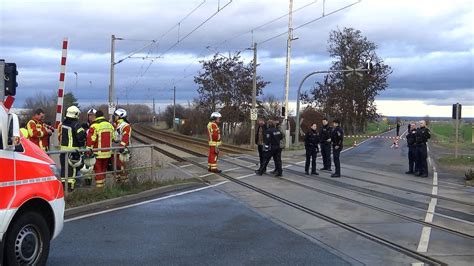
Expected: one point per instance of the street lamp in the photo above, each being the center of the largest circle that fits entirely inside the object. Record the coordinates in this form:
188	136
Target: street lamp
349	70
75	73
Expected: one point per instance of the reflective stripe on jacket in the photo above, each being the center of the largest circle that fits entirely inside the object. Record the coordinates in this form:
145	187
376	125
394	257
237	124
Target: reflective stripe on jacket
101	135
123	132
36	132
213	134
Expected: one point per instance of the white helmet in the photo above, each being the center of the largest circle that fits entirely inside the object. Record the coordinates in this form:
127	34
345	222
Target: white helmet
215	115
73	112
120	113
92	111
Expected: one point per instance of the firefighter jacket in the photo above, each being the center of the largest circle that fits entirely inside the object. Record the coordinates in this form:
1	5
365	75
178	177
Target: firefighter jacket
213	134
100	135
36	133
123	132
73	136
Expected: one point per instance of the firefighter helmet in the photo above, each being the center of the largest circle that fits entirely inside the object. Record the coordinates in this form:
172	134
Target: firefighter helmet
91	111
73	112
216	115
120	113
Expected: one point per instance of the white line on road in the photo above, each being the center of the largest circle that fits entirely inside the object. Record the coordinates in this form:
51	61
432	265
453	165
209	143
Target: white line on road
426	232
153	200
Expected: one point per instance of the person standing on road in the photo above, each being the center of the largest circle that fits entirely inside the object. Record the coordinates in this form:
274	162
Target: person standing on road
398	127
260	139
421	137
311	141
272	149
214	140
99	136
411	142
325	140
337	138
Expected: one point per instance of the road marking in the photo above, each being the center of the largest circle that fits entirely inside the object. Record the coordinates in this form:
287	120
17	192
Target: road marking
186	165
426	231
153	200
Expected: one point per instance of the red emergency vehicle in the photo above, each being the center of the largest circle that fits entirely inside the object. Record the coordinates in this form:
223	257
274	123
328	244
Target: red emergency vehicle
31	196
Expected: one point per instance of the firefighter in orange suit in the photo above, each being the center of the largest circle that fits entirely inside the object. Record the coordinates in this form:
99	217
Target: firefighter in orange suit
100	135
36	130
123	131
214	138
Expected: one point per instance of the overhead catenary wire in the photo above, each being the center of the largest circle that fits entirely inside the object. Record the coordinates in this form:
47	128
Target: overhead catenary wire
219	9
311	21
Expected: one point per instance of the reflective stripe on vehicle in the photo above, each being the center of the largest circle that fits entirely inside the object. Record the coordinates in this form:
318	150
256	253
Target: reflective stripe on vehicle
27	181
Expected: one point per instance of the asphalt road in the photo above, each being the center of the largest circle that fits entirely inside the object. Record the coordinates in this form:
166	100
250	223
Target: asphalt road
201	228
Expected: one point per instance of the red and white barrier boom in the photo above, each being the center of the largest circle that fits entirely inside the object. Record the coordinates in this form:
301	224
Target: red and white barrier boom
62	76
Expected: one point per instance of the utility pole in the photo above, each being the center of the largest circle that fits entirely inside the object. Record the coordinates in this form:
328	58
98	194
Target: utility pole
153	113
253	112
174	108
112	73
75	73
286	125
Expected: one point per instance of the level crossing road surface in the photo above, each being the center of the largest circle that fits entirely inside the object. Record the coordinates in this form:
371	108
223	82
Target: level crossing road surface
231	224
202	228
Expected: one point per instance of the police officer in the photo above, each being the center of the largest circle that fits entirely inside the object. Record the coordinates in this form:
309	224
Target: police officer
411	142
311	141
73	137
272	149
325	143
421	137
337	137
260	138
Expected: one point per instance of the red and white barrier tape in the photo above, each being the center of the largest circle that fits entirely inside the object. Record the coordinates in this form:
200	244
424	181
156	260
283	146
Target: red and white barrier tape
62	77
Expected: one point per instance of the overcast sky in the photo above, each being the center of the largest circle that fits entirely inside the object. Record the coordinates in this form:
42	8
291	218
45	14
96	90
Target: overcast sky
429	45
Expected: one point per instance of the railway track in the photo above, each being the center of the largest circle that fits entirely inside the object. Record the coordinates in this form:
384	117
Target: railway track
226	148
372	237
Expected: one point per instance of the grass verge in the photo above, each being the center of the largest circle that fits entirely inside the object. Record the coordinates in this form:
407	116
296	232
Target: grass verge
85	196
460	161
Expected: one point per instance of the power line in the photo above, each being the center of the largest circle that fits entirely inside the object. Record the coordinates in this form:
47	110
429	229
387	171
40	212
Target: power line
309	22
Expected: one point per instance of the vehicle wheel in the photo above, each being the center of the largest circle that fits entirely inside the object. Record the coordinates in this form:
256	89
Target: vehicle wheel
27	241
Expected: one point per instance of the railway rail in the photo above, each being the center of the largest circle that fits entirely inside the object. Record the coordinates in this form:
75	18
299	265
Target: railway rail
380	240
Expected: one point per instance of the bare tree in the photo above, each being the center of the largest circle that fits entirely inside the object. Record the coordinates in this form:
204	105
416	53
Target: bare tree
350	98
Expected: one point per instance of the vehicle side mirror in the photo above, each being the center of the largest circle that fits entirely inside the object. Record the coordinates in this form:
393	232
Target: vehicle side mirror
13	132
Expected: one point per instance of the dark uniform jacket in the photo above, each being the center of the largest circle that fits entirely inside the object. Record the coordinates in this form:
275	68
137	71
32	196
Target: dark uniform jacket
273	136
311	140
411	138
73	136
337	136
422	136
325	134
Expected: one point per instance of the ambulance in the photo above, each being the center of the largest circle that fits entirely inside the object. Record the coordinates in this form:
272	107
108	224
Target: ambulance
31	195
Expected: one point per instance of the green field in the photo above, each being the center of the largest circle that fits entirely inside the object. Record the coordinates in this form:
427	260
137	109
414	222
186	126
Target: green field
445	132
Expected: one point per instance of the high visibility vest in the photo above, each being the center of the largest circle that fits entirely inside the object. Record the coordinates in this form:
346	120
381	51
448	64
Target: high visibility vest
36	132
101	135
73	136
123	132
24	132
213	134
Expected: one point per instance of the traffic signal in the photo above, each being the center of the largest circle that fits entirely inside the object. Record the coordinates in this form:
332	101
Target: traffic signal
283	111
456	111
10	79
